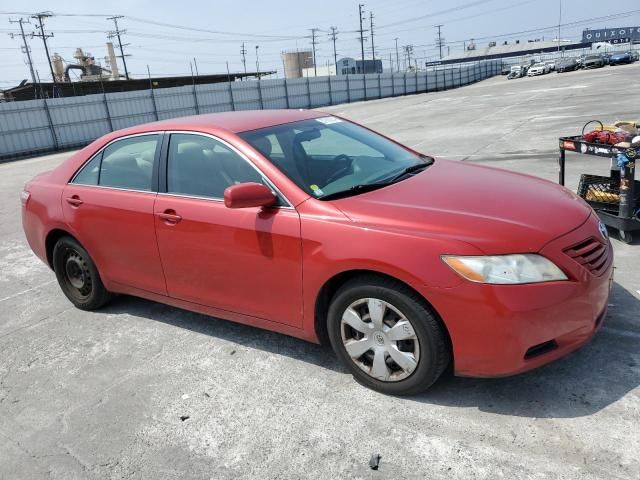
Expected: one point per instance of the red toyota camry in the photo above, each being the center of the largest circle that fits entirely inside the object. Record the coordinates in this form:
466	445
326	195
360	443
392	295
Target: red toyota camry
316	227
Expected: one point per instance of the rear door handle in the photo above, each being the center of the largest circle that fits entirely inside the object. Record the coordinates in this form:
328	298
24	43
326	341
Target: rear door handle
74	201
170	217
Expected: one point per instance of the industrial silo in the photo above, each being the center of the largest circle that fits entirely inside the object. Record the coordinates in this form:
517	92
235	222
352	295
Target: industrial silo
295	61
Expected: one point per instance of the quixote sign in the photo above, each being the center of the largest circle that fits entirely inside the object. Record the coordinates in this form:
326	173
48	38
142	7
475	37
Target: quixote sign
612	35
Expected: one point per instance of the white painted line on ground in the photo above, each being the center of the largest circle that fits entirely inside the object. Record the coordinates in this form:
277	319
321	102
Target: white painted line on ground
27	291
555	117
568	87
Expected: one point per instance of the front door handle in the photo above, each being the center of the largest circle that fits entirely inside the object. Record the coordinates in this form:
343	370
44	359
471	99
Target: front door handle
74	201
170	217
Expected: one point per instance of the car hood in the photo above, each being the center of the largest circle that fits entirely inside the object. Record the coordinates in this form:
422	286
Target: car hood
495	210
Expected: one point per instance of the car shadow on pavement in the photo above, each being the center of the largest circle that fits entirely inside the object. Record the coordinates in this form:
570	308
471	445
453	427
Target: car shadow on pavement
238	334
583	383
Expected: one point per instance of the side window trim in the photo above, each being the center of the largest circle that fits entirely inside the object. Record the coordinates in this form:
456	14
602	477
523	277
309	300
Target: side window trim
156	162
164	165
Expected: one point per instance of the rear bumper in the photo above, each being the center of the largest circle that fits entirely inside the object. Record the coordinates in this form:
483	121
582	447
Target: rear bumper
500	330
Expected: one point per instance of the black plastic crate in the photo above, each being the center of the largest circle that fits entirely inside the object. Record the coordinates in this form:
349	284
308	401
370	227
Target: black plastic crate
603	193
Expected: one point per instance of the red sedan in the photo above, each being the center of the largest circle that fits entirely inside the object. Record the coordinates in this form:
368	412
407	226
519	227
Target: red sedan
316	227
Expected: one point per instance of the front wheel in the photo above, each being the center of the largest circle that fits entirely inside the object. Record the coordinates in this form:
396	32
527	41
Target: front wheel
387	337
78	276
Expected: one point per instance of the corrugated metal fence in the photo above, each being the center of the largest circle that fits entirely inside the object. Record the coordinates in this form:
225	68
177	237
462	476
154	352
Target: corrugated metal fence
40	126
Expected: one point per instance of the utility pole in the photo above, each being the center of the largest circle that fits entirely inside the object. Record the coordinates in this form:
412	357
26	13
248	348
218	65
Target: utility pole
439	40
313	48
559	25
117	34
408	49
243	52
333	35
25	48
257	62
390	62
40	27
373	47
397	55
360	13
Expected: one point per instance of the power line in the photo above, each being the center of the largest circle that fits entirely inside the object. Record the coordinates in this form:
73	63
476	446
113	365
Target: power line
26	48
204	30
117	34
441	12
39	17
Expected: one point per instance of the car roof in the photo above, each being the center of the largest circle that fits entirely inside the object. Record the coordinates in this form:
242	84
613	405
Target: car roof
236	122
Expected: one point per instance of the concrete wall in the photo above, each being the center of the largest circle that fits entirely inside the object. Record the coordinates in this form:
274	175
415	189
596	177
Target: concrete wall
38	126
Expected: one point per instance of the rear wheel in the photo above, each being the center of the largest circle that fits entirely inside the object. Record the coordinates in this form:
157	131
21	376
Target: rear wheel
78	276
387	337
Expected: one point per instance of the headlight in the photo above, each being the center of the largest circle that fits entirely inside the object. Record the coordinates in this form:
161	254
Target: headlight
505	269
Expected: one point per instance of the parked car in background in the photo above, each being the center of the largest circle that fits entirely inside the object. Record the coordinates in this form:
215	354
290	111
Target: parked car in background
551	64
566	65
635	55
580	61
593	61
517	71
621	58
538	69
307	224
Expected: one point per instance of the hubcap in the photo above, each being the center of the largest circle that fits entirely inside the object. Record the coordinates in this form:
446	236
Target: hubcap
380	340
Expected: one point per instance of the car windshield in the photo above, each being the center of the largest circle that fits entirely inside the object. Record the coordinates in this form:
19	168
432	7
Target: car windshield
329	157
538	65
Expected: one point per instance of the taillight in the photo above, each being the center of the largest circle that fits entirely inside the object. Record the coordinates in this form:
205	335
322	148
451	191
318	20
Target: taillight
24	197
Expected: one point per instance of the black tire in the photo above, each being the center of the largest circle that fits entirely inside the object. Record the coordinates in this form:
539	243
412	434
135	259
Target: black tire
435	351
78	276
626	237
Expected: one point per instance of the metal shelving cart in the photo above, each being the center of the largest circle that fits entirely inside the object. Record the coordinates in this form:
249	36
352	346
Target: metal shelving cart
615	198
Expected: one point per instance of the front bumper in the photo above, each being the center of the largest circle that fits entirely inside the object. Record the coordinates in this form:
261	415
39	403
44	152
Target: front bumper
500	330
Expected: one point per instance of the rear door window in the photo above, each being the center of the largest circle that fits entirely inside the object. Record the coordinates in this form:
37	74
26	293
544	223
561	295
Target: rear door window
126	163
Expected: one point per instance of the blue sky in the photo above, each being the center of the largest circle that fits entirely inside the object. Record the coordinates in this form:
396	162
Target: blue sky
277	25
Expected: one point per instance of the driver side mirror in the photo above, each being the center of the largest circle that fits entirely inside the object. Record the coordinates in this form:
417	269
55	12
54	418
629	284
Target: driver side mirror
250	194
